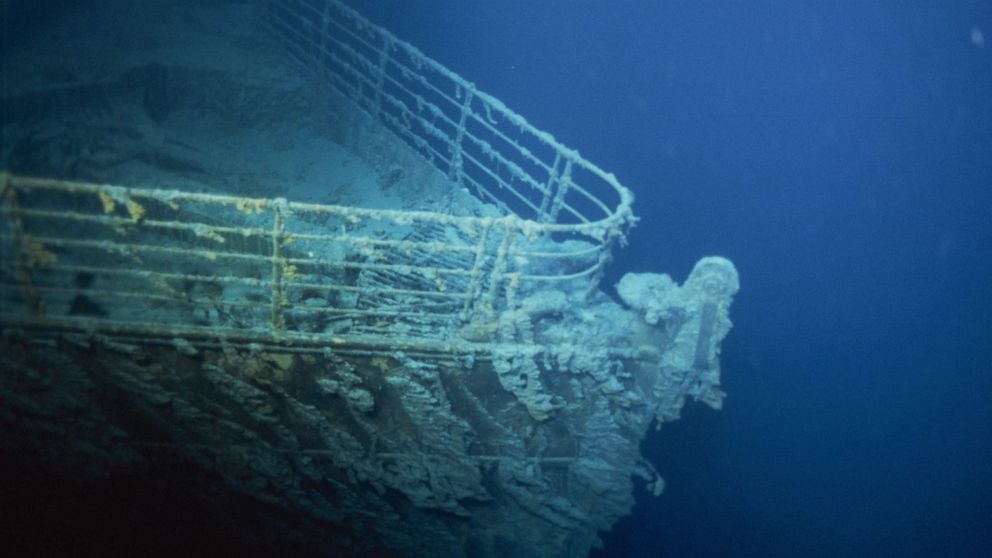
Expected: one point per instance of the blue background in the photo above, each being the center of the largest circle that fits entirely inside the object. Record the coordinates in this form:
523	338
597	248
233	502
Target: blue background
840	153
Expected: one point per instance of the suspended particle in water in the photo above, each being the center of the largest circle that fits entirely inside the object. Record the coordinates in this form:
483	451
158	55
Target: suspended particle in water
977	37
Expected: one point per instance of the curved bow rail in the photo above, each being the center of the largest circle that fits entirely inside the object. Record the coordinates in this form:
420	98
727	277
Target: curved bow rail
165	264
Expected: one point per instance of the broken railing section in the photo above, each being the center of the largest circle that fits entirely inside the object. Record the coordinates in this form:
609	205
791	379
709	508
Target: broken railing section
696	315
469	136
172	263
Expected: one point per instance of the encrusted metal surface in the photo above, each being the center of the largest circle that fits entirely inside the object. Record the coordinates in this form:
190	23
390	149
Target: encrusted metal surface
182	342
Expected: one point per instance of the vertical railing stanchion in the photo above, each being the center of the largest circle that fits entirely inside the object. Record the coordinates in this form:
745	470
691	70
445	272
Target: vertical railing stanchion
500	264
387	45
471	308
564	183
24	253
455	170
278	266
543	215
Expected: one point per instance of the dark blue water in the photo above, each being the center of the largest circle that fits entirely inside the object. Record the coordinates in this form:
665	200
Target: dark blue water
840	152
